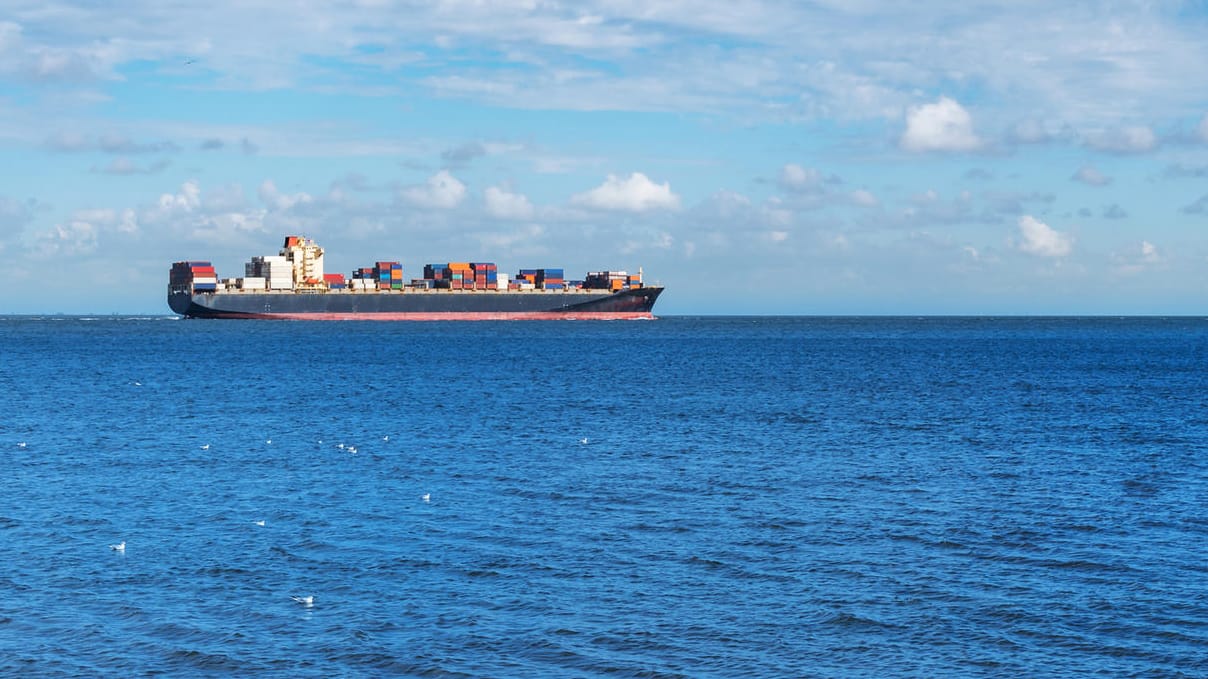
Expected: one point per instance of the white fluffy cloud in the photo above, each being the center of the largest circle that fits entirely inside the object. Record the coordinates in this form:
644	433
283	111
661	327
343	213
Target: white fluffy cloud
942	126
188	198
1042	240
441	191
503	204
795	177
74	238
1149	253
635	194
275	199
1091	176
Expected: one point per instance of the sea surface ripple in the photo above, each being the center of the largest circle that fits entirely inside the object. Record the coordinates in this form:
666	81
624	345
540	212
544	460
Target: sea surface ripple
691	497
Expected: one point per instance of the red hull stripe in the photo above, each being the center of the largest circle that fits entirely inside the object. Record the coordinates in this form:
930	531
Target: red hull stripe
456	316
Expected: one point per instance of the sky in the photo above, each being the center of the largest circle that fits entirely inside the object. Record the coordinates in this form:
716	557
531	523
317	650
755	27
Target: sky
762	157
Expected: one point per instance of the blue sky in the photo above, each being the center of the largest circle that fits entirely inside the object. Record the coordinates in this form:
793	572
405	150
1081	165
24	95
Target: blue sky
759	157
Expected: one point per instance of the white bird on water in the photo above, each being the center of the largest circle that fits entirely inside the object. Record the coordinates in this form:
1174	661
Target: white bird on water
352	449
426	497
22	444
583	441
268	441
206	447
340	446
308	600
119	547
386	437
259	523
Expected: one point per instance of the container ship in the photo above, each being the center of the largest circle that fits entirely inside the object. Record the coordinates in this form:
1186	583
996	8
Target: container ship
293	285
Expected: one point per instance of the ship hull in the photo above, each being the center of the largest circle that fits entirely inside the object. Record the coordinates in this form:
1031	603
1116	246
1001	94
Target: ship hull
432	305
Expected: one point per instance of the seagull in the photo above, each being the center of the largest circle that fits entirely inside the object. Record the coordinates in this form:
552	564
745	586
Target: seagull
206	447
426	497
119	547
268	441
352	449
22	444
308	600
137	383
583	441
386	437
259	523
340	446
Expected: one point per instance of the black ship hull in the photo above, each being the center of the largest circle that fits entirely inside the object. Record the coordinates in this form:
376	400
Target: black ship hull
419	305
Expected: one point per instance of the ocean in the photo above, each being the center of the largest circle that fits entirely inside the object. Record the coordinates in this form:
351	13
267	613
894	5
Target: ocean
686	497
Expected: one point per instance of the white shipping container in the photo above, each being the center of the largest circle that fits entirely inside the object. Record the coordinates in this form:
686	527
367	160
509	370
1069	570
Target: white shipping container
203	280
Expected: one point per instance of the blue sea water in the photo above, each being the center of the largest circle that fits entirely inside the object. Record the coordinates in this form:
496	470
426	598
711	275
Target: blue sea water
696	497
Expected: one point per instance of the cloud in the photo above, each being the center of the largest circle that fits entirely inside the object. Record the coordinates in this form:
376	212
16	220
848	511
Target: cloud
979	174
116	143
73	142
942	126
1114	211
929	208
248	148
1179	170
796	178
503	204
1198	207
73	238
276	200
462	155
211	145
15	215
1089	175
635	194
1144	256
1041	240
125	166
1013	203
1132	139
186	200
219	217
1029	132
864	198
441	191
1149	252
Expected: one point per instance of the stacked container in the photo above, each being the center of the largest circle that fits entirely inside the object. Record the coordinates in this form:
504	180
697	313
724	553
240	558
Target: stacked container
197	275
486	275
277	271
459	273
612	280
389	275
334	281
541	279
435	272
